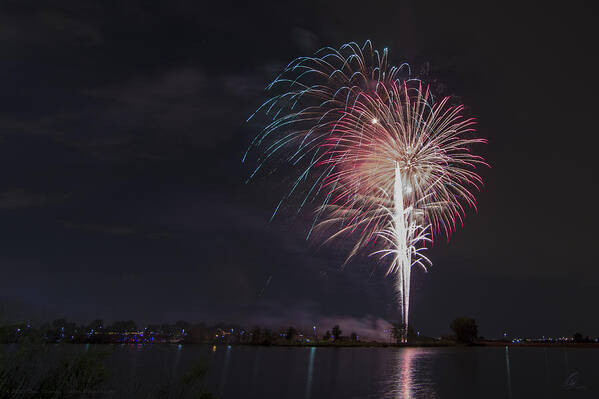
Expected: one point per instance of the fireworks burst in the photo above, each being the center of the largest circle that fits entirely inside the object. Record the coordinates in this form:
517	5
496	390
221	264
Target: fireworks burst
389	165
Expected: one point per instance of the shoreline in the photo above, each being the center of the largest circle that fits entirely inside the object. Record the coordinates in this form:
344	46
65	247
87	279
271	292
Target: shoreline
372	344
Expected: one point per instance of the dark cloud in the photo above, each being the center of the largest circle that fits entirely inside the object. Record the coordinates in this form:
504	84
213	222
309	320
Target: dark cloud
306	40
20	198
55	24
114	230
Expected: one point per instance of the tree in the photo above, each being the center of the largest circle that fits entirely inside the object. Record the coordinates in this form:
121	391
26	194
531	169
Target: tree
182	326
96	325
267	337
398	332
167	328
123	326
63	329
291	333
336	332
465	329
578	337
47	332
17	333
59	323
327	335
256	335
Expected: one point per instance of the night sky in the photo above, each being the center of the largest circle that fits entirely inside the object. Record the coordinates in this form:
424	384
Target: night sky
123	195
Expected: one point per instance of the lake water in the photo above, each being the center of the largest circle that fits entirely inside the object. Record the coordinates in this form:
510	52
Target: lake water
301	373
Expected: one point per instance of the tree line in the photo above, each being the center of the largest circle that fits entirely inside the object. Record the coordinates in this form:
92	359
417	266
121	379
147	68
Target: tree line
127	331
